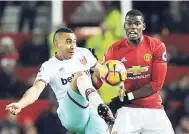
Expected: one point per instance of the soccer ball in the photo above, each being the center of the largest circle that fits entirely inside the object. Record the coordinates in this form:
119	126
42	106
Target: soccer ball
113	72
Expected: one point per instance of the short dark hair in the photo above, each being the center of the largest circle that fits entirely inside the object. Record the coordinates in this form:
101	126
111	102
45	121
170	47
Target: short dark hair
135	13
62	30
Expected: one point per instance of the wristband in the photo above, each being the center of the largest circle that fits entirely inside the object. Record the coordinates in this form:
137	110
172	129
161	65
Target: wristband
130	96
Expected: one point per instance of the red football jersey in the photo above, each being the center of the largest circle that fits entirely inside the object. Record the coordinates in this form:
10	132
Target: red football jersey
145	64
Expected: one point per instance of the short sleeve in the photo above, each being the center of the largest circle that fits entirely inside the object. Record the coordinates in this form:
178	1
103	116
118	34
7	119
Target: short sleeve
92	60
160	54
109	55
44	74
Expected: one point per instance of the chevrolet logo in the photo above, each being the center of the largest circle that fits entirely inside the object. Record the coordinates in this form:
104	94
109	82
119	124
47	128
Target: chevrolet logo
136	70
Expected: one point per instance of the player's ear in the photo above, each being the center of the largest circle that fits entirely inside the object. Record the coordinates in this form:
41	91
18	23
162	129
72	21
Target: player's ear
124	25
144	26
56	43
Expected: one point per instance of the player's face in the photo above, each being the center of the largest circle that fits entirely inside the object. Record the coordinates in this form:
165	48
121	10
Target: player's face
134	27
66	45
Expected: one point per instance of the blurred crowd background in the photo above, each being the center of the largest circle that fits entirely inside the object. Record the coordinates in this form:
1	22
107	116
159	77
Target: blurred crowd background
26	32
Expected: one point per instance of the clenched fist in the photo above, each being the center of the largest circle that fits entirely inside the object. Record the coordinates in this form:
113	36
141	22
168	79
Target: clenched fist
14	108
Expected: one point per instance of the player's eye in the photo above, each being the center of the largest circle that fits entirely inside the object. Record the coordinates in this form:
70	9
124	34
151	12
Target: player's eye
128	23
68	41
137	23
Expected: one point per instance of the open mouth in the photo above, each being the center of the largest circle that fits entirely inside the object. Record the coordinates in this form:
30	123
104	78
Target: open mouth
72	52
132	34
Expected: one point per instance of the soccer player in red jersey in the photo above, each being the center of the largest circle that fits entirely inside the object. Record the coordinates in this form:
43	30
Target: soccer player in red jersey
139	106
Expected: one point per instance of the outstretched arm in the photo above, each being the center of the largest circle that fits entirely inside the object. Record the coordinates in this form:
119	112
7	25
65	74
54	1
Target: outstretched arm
30	96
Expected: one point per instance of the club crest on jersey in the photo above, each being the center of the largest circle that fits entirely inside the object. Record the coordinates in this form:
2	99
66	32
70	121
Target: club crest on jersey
148	57
83	60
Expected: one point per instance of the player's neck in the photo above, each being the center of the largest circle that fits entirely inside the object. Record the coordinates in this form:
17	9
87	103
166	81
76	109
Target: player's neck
60	57
137	42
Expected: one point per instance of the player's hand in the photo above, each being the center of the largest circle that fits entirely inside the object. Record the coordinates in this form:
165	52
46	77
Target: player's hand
122	95
14	108
119	101
106	114
93	52
121	91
